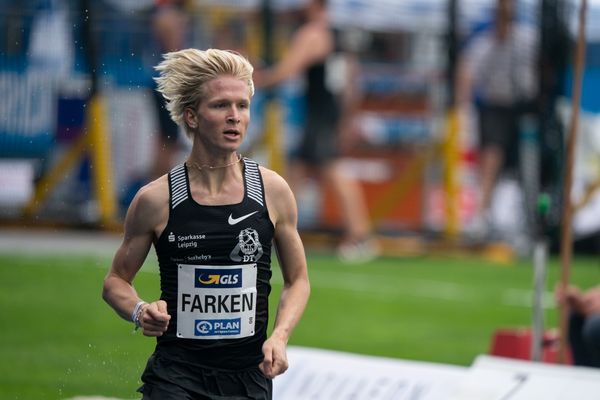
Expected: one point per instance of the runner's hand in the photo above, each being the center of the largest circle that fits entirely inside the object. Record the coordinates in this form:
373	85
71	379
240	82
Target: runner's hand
154	319
275	361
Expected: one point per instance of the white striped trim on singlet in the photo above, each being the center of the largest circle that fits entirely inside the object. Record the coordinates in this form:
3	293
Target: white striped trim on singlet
179	191
253	184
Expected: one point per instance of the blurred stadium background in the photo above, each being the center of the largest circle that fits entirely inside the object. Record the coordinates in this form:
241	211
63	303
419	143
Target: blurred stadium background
68	160
77	126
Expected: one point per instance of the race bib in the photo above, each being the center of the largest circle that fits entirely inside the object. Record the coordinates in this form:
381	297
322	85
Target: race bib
216	302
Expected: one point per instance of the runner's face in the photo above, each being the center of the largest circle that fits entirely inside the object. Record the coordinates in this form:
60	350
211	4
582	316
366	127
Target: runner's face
223	114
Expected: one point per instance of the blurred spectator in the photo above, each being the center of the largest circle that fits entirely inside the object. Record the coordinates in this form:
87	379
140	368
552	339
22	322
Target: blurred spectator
498	75
170	25
313	52
584	323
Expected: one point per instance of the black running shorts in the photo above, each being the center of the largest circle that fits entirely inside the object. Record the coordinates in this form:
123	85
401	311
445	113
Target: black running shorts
166	379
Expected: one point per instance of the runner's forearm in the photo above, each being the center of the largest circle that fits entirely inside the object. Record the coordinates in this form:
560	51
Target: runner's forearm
120	295
291	307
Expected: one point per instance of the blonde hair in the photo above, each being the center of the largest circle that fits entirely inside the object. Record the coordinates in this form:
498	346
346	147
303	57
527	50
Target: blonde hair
183	74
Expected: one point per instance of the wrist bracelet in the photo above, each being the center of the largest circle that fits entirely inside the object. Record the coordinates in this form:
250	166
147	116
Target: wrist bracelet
135	316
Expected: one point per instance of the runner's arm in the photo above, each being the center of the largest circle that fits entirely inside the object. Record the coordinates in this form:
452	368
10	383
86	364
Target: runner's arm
296	286
118	290
309	44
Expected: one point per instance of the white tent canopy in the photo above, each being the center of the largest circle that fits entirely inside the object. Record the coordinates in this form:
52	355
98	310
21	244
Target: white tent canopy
400	15
409	15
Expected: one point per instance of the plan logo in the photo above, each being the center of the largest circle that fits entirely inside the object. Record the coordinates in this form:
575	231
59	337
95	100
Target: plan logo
221	327
218	278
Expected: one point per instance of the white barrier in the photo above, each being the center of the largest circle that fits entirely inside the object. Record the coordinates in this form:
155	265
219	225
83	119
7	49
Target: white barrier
322	374
330	375
497	378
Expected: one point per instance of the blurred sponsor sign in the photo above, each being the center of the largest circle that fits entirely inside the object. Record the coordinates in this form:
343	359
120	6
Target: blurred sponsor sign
28	115
321	374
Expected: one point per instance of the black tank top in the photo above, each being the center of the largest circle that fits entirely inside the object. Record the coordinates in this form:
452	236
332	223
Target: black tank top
321	99
215	271
321	102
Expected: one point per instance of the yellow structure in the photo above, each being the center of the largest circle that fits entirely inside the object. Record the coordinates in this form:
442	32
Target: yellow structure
95	142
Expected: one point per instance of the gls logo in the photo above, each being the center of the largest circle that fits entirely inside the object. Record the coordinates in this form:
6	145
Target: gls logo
218	278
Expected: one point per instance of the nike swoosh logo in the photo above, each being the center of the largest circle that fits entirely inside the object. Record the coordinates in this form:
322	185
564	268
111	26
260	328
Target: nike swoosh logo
233	221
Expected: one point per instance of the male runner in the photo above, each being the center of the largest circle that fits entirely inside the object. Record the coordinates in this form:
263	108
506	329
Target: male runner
212	221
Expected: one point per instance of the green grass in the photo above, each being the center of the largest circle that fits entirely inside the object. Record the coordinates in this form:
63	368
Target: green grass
59	339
